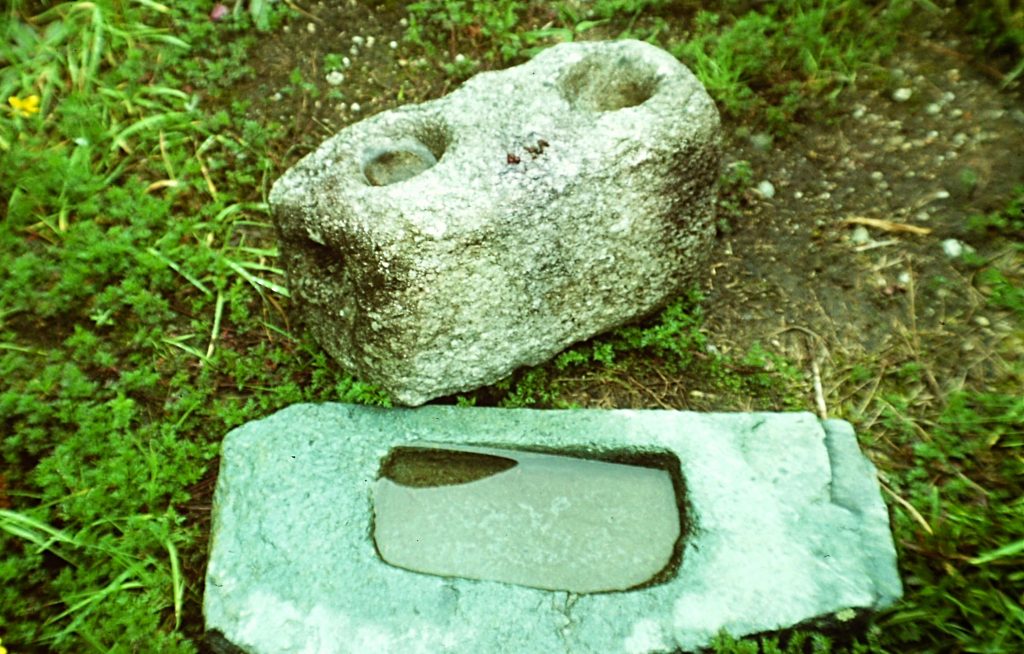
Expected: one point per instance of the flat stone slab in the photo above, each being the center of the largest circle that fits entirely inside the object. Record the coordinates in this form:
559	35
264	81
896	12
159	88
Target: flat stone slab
782	522
437	247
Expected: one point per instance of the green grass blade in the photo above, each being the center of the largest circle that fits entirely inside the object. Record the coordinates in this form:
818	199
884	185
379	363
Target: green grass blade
1011	549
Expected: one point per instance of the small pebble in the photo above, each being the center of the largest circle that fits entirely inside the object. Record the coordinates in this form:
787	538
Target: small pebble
766	189
459	58
276	97
358	40
346	62
404	22
904	278
761	141
954	248
798	195
877	176
902	95
933	108
334	78
354	51
393	45
355	108
370	41
860	235
859	111
311	28
981	321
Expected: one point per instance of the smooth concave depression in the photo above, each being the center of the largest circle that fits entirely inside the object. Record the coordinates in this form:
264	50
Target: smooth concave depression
542	520
383	166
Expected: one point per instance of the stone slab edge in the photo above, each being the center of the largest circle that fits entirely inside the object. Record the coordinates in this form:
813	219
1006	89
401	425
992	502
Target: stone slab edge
789	525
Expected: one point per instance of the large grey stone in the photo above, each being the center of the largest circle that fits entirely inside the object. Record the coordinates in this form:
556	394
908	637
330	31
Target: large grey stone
436	247
784	522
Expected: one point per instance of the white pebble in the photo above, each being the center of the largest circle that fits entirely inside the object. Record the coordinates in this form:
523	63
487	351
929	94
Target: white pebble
276	97
860	235
954	248
354	51
355	108
459	58
311	28
902	95
370	41
346	62
404	22
877	176
798	195
358	40
766	189
334	78
393	45
904	277
933	109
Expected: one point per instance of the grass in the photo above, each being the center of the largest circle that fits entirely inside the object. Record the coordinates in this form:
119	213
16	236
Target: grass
143	312
636	358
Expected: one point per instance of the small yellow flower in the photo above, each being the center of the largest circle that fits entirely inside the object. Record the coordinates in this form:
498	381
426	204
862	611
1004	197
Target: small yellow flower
24	108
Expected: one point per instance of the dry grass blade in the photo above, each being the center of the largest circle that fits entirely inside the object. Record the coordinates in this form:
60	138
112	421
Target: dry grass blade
887	225
914	513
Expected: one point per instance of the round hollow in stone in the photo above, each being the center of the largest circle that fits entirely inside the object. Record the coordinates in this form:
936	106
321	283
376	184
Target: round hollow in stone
392	164
601	83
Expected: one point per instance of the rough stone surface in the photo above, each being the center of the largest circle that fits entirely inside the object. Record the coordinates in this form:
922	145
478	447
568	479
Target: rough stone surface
436	247
786	523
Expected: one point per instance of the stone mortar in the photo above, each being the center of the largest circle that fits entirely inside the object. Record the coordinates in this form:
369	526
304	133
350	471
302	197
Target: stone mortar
437	247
